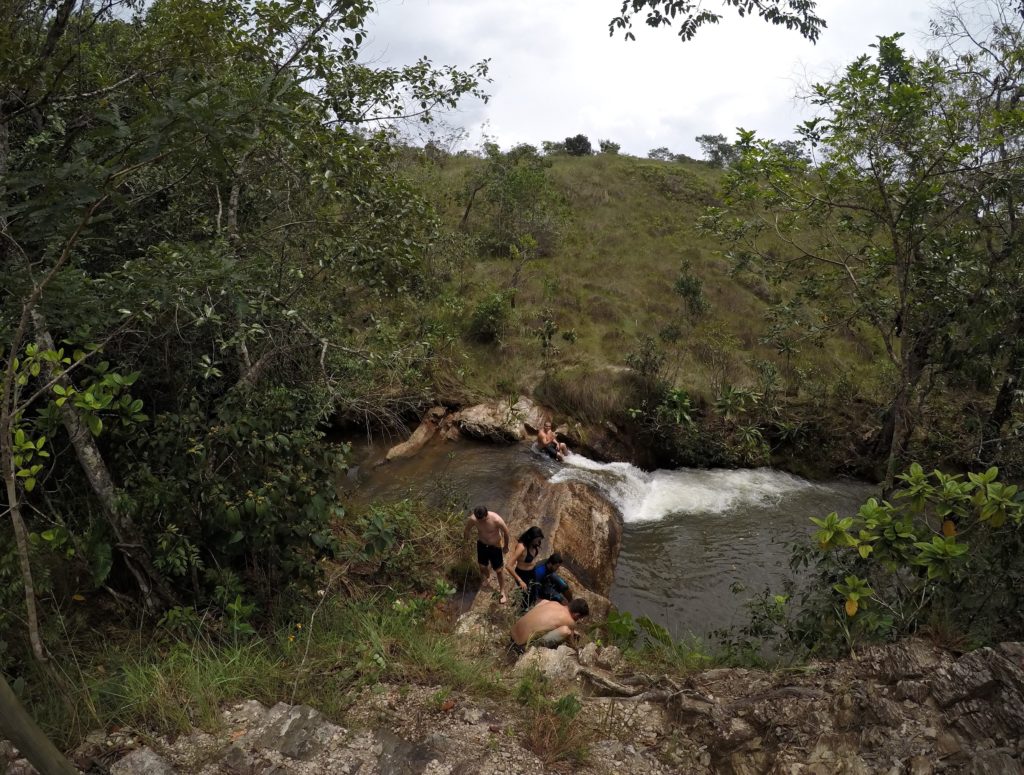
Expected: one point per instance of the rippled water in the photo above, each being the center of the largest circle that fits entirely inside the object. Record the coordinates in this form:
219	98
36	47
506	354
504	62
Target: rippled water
689	536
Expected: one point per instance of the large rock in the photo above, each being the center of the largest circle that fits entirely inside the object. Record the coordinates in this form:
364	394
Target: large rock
578	522
501	421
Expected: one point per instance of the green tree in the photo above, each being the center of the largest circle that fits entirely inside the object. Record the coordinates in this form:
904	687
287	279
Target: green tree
718	152
193	195
578	145
517	204
689	16
608	146
880	228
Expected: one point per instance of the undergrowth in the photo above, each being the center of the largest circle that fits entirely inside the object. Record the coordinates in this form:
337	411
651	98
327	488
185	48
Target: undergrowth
168	684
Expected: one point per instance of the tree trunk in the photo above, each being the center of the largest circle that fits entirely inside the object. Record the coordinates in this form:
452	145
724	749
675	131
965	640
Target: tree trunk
129	537
21	544
899	420
17	726
1003	407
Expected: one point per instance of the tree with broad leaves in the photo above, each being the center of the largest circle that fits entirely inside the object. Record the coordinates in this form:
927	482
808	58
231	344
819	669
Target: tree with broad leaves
881	229
578	145
689	16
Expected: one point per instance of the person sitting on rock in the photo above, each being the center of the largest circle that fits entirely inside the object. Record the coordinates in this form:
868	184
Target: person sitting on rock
547	584
547	624
491	544
525	558
549	443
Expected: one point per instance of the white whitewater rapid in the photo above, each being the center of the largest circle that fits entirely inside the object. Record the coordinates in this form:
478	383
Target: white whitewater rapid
644	497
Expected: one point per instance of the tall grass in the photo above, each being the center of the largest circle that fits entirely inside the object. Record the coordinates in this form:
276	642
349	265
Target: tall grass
172	684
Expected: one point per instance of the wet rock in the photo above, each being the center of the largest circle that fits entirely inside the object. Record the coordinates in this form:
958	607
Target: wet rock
427	429
142	761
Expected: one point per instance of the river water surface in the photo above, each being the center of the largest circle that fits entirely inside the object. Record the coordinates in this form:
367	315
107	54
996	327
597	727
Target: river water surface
690	535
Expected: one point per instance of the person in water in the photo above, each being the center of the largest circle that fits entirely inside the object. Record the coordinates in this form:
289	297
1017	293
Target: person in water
525	558
492	540
547	584
547	624
549	443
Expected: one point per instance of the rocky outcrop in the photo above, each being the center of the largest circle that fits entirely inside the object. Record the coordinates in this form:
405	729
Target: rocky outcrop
904	709
577	522
500	421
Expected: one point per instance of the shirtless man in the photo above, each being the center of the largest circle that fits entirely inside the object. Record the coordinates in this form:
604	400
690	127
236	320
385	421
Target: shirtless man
548	623
549	443
492	541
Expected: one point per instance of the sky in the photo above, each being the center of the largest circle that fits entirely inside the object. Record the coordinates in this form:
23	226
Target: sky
556	72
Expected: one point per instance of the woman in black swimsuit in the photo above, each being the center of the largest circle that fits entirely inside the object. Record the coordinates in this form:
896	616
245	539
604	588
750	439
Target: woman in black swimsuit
525	558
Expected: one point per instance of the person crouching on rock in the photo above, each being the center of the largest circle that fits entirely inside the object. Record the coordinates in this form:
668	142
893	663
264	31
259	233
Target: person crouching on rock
549	443
547	624
492	540
524	559
547	584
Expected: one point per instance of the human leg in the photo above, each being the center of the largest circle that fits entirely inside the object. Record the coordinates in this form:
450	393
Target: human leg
554	638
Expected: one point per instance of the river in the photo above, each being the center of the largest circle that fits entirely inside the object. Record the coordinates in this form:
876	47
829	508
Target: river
691	536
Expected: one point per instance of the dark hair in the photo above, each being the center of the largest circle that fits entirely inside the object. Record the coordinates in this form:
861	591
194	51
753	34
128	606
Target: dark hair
480	512
554	559
579	606
530	535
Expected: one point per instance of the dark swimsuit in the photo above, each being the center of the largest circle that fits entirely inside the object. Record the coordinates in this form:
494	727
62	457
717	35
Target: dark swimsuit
489	555
527	576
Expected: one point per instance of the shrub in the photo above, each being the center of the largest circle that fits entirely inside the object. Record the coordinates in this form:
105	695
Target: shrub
608	146
578	146
943	557
490	319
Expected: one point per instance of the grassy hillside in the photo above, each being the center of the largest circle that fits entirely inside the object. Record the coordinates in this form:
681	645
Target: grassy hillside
629	230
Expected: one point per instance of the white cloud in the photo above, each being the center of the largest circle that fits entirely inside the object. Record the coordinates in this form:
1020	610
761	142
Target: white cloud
557	72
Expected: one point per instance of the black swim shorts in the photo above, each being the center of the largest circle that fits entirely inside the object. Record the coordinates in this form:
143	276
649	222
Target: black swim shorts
552	450
489	555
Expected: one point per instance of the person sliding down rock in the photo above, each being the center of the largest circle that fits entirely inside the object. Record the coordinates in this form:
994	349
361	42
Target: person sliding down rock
547	624
549	443
491	543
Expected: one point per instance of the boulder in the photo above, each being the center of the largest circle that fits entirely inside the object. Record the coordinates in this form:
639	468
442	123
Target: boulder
555	664
577	522
297	731
499	421
142	761
495	422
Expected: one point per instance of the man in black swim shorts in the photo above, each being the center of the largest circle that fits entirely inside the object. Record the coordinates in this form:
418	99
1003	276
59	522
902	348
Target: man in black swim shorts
492	541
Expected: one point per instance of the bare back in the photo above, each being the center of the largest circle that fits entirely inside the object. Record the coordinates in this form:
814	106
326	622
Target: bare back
490	530
544	617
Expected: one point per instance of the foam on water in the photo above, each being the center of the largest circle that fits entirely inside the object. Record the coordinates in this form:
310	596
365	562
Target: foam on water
642	497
